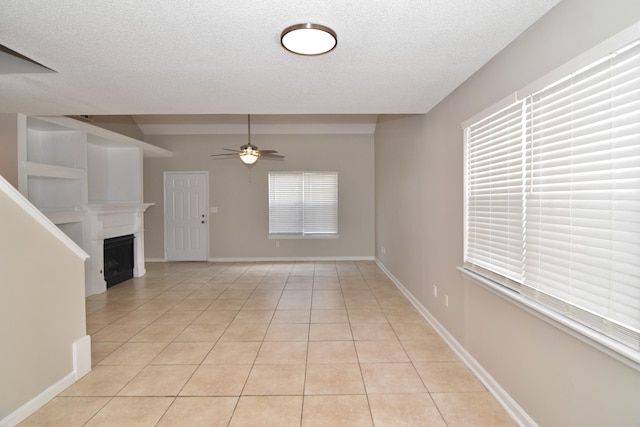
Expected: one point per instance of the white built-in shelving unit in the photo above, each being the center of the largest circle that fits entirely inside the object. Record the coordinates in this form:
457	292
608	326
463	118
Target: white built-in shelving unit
88	181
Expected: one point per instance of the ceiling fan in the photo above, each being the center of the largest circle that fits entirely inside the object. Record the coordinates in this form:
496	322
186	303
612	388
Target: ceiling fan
249	153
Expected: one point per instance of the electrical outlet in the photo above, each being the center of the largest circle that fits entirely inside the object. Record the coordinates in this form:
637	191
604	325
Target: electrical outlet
446	300
435	291
384	250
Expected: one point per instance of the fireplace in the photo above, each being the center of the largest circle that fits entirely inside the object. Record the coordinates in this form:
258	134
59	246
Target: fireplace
118	259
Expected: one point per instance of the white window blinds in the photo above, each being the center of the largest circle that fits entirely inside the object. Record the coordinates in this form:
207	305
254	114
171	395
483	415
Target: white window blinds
578	184
494	162
303	203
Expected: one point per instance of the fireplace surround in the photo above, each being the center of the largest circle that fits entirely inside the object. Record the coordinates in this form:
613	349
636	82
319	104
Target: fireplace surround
107	221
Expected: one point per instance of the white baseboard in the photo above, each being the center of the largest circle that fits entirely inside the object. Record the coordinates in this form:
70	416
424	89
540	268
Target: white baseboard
37	402
82	357
293	259
81	353
507	402
277	259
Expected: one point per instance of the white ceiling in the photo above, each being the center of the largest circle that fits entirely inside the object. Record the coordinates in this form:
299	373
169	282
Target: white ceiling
208	57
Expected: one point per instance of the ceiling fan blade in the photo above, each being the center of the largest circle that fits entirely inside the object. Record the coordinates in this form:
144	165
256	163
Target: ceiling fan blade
267	151
229	149
225	154
271	156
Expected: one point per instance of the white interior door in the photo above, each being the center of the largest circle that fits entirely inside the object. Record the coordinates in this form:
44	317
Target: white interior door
186	228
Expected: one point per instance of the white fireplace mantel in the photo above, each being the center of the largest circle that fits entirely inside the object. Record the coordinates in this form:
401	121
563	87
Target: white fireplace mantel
107	220
118	207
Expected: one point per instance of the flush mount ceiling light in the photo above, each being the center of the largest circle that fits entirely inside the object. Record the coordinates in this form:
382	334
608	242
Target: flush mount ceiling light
309	39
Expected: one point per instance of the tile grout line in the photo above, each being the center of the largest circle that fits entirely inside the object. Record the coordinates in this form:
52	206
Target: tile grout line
236	277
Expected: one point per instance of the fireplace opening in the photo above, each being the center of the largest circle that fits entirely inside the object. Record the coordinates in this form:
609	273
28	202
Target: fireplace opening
118	259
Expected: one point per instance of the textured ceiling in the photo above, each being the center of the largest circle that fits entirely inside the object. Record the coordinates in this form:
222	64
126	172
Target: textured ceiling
224	57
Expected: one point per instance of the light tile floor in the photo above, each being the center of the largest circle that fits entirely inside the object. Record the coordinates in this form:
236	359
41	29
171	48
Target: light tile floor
267	344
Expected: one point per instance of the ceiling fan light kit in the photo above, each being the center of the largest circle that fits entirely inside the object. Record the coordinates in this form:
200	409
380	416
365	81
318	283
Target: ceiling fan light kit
309	39
249	153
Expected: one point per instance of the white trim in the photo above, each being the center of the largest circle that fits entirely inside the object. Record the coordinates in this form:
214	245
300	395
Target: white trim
276	259
302	236
508	403
106	136
366	126
494	108
81	356
45	222
293	259
599	51
610	347
38	402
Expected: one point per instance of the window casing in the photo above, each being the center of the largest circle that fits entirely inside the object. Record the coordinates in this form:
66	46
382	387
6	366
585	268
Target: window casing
303	203
552	197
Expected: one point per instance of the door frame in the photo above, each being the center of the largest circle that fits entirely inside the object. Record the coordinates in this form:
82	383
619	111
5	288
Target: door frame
206	203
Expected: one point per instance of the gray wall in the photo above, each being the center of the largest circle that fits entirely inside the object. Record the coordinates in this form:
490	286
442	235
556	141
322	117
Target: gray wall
9	148
42	309
240	228
556	379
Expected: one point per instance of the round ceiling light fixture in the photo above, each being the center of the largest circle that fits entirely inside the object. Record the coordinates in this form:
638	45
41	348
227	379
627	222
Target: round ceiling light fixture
309	39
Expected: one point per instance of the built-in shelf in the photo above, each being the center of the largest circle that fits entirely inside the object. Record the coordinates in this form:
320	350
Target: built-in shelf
114	174
87	180
64	217
51	171
54	144
74	230
52	194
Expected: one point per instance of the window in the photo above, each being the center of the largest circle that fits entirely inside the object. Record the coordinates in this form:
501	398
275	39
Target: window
303	203
552	197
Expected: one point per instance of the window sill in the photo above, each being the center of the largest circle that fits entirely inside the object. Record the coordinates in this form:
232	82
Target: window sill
618	351
302	236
